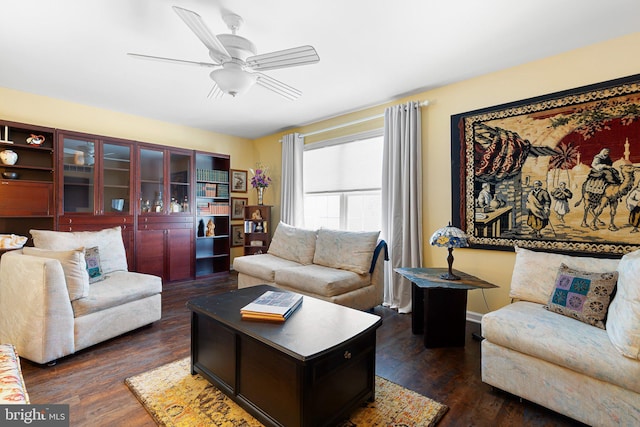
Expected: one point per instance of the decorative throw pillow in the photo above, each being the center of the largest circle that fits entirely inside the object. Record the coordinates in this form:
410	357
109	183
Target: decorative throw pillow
294	244
92	256
623	321
347	250
535	272
74	267
583	295
109	240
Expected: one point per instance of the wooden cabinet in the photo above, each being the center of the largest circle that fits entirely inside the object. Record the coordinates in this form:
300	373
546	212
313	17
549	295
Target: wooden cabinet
165	234
212	214
95	176
74	181
164	247
95	185
257	229
27	201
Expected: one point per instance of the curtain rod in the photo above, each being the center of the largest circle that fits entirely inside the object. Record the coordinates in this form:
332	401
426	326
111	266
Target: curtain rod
354	122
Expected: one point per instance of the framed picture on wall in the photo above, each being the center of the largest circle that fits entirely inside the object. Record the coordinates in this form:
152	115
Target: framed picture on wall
237	207
238	181
559	172
237	235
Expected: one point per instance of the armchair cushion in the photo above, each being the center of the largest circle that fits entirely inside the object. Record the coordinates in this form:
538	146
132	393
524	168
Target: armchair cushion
73	265
347	250
119	288
109	242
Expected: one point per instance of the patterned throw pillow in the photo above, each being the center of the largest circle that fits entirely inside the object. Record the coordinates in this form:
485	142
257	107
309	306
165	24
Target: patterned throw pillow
583	295
92	257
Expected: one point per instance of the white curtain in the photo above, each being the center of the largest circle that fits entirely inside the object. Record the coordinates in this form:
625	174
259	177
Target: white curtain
292	197
402	199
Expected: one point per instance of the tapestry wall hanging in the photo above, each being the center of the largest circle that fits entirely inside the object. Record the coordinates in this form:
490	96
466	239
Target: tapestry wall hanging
559	172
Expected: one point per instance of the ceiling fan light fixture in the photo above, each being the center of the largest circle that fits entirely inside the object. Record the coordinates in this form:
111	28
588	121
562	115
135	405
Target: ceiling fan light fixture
233	80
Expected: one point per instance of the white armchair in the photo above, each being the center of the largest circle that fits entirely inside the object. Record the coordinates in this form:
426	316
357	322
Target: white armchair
47	308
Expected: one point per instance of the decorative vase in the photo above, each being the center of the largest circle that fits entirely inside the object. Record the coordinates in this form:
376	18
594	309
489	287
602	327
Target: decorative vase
8	157
260	195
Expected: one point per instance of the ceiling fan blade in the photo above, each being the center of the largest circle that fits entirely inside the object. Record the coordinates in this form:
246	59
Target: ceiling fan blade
277	86
217	51
301	55
171	60
215	92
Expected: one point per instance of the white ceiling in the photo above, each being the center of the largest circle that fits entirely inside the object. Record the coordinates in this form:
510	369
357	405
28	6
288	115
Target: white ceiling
371	51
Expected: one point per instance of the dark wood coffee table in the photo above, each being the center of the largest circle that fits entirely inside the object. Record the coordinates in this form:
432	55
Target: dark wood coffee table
311	370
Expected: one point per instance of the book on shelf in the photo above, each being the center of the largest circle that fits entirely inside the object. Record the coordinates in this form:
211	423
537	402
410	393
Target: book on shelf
272	306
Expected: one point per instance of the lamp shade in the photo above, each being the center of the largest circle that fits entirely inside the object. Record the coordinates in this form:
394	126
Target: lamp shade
449	237
232	79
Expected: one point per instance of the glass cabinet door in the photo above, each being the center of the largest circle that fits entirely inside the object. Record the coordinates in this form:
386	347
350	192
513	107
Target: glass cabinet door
116	180
151	181
78	175
179	184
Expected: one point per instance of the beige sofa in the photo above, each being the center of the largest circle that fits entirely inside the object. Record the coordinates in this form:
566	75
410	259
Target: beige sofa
343	267
50	307
568	365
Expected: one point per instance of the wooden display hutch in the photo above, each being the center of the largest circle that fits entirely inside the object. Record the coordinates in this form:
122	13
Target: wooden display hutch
74	181
27	201
257	229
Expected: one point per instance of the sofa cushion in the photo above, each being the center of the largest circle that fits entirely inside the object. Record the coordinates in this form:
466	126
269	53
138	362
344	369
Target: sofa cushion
73	265
347	250
263	266
534	273
528	328
582	295
119	288
293	243
623	322
109	241
320	280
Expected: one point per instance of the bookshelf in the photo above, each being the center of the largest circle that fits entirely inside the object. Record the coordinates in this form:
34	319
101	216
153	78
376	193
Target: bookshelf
212	214
257	229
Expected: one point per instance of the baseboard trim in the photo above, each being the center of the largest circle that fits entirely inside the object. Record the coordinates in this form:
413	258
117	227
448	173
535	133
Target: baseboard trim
472	316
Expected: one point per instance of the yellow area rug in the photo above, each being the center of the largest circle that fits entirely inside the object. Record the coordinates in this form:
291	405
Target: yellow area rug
174	397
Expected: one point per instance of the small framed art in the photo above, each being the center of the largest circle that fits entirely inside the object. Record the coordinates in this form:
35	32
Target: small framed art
238	181
237	207
237	235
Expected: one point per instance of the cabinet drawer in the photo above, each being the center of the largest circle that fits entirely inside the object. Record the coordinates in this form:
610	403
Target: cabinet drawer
21	198
346	354
165	219
102	220
164	226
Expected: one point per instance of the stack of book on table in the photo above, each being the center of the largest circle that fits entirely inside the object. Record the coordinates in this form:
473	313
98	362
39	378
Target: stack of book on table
272	306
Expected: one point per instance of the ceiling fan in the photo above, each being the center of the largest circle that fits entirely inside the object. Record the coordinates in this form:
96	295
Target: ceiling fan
238	67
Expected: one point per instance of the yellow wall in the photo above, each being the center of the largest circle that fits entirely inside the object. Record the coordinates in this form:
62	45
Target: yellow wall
593	64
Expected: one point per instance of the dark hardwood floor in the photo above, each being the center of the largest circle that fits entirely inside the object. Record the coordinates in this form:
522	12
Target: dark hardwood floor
92	380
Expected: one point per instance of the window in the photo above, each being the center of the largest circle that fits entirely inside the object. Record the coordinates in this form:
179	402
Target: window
342	183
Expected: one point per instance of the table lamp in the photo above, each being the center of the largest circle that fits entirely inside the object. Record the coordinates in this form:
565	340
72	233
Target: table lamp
449	237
